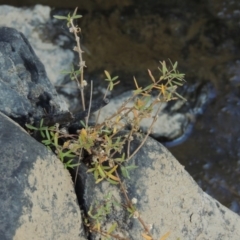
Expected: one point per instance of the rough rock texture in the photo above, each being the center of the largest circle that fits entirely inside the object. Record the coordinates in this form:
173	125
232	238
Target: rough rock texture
36	27
37	198
25	90
168	200
48	42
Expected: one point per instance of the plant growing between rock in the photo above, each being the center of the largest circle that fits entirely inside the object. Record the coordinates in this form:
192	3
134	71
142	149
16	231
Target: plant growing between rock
103	144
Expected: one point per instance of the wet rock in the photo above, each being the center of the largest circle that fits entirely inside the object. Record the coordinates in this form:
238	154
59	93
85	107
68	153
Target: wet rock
37	198
168	200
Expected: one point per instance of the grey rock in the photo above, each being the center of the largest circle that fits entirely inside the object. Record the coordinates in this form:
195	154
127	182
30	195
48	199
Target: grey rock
168	200
168	125
175	119
25	91
35	24
37	198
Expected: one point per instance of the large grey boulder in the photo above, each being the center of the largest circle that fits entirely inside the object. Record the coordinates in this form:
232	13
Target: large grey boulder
38	28
37	198
36	25
168	200
26	93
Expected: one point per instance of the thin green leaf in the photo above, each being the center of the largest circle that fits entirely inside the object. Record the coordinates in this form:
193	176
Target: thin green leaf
107	74
96	174
60	17
175	65
47	134
90	170
92	216
148	87
164	68
31	127
131	167
65	72
68	154
60	155
125	172
76	16
83	123
111	86
99	180
114	78
112	182
181	97
42	134
56	139
41	123
130	210
101	172
70	165
47	142
177	83
138	91
112	228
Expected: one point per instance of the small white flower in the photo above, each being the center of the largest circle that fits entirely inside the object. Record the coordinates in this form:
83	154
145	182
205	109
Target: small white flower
84	83
134	200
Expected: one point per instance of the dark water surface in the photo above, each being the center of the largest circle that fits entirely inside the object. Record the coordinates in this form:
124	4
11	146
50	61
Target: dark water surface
128	38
